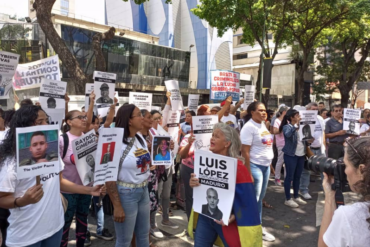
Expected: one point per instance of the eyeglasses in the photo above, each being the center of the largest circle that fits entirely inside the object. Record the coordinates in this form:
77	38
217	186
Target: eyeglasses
157	119
354	149
338	111
137	116
80	117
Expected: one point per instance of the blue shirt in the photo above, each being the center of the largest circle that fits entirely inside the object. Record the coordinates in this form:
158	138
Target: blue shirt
160	157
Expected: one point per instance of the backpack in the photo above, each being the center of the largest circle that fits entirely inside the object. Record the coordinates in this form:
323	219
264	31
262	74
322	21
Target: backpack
66	143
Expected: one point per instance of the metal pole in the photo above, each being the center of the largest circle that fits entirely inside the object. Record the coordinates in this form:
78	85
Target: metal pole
262	51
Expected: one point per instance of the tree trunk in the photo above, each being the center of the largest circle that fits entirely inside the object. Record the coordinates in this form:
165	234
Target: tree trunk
344	97
300	79
101	65
266	96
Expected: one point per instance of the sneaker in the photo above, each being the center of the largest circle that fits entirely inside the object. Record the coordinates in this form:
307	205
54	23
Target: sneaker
156	233
291	203
169	224
306	196
267	236
106	235
300	201
87	239
277	182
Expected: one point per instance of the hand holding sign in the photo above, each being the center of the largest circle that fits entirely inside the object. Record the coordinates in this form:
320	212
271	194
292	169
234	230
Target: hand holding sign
98	190
33	195
221	222
194	182
66	98
92	96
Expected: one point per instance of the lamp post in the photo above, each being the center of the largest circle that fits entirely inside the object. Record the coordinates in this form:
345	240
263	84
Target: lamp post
262	53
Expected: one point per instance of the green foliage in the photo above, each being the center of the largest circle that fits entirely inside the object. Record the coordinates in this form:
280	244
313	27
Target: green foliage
12	39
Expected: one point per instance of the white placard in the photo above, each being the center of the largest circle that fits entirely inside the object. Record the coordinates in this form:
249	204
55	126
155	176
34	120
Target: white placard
104	87
84	150
214	197
176	99
56	116
351	121
37	151
193	101
52	94
108	155
141	100
173	129
250	91
29	75
161	153
202	129
89	87
225	83
307	124
8	65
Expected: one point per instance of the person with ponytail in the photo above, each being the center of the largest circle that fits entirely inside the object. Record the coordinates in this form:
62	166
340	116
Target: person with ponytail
257	151
294	156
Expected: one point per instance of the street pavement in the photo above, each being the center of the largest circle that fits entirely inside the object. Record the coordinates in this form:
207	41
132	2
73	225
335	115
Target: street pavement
292	227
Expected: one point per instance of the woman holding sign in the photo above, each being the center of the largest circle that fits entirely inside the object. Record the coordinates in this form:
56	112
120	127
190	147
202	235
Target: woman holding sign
225	141
37	214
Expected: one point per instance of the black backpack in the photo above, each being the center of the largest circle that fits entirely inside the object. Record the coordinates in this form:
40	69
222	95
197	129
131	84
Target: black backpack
66	143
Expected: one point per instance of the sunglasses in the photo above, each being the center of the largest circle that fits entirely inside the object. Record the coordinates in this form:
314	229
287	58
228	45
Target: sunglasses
80	117
354	149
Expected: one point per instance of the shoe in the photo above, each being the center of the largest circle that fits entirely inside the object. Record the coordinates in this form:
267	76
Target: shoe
277	182
87	239
106	235
306	196
169	224
300	201
156	233
291	203
267	236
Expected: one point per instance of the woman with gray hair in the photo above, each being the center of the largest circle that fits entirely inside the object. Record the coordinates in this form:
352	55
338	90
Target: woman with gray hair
226	141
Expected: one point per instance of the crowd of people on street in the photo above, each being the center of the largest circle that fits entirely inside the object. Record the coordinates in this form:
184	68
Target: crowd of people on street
266	144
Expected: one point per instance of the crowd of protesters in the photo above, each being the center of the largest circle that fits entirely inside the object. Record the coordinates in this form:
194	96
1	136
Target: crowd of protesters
266	144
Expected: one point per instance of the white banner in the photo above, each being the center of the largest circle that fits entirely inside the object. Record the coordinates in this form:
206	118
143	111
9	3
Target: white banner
108	155
176	99
351	121
225	83
249	93
29	75
214	197
52	94
193	101
89	87
141	100
202	129
84	150
37	150
161	153
8	65
307	124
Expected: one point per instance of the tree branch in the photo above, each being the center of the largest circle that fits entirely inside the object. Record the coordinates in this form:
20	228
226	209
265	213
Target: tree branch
97	39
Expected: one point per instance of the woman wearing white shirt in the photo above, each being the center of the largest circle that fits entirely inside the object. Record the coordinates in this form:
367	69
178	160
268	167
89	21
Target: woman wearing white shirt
129	195
349	226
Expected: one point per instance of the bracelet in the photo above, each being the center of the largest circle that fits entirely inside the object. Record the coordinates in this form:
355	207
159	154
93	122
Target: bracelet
15	203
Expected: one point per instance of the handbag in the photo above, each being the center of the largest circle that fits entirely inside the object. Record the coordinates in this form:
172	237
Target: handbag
64	202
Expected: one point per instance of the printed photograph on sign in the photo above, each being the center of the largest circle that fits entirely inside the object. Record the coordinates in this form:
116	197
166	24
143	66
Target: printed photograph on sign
351	121
307	124
52	94
104	87
37	150
8	65
214	196
161	153
107	153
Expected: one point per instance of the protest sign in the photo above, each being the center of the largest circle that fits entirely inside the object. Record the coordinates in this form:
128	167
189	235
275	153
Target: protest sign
89	87
141	100
249	93
104	87
108	155
193	101
29	75
351	121
37	150
214	197
225	83
176	99
307	124
55	116
161	153
84	150
202	129
8	65
52	94
173	122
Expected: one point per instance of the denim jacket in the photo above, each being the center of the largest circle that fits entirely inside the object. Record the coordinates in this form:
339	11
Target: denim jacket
291	140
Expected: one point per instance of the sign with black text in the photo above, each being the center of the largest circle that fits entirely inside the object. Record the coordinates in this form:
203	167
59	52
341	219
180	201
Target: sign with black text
176	99
351	121
52	94
249	93
193	101
8	65
202	129
141	100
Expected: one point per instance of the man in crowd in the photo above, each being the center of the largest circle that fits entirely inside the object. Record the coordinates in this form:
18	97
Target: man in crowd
210	209
335	133
323	113
229	118
321	106
317	147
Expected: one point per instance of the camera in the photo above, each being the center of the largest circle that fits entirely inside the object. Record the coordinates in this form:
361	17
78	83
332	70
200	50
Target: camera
332	167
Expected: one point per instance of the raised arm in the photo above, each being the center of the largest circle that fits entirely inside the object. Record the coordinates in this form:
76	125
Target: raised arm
166	109
90	111
235	109
227	104
111	113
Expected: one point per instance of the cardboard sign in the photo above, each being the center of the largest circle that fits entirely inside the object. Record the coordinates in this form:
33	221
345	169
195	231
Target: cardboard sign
37	150
52	94
202	129
141	100
176	99
193	102
225	83
249	93
8	65
307	124
214	197
29	75
351	121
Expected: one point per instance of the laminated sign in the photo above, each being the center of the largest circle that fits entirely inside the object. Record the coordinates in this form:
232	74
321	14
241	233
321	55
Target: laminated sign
8	65
307	124
214	197
225	83
203	128
351	121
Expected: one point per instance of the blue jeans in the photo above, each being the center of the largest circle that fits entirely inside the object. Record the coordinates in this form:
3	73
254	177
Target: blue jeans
305	177
53	240
207	231
261	176
294	166
135	203
99	215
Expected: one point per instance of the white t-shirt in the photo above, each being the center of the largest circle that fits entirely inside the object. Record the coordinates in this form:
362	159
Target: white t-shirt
260	139
349	227
364	128
34	222
135	167
300	147
230	120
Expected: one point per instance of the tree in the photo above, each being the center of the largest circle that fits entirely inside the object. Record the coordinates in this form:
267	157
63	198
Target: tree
13	39
256	18
343	57
43	12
